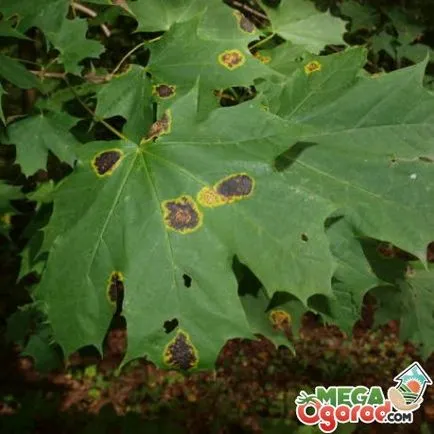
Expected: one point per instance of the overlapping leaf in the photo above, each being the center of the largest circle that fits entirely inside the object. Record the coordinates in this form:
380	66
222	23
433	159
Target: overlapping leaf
36	135
17	74
353	278
219	54
374	147
412	303
68	36
156	15
128	95
299	22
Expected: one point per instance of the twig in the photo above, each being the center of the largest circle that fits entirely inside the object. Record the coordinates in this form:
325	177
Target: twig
134	49
43	74
94	116
91	13
262	41
248	9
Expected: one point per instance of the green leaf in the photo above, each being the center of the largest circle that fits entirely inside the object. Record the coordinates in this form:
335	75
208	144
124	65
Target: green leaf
362	16
67	36
48	15
73	45
42	349
8	193
408	32
128	95
353	278
301	92
412	303
7	31
36	135
17	74
28	327
56	99
261	321
384	41
155	15
220	63
299	22
119	228
374	144
415	52
285	58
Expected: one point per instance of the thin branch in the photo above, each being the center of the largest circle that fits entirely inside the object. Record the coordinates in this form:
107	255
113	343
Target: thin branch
91	13
262	41
116	69
45	74
94	116
248	9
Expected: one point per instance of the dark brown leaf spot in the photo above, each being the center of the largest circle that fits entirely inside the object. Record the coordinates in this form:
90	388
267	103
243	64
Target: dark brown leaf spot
182	215
105	162
232	59
304	237
160	127
180	352
235	186
165	91
116	289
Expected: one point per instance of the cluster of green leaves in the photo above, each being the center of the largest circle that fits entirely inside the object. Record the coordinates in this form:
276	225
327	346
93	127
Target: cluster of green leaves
397	34
299	182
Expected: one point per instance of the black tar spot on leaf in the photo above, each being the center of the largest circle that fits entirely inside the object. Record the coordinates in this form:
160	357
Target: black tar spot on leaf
236	186
105	161
182	214
180	353
164	90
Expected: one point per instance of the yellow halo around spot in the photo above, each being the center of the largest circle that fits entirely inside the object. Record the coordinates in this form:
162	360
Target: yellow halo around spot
311	67
232	59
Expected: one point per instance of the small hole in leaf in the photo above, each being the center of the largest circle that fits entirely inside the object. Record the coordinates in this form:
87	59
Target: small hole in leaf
170	325
187	280
304	237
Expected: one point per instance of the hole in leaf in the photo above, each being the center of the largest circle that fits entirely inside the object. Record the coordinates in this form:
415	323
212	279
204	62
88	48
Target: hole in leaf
272	3
286	159
304	237
248	283
187	280
170	325
235	95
